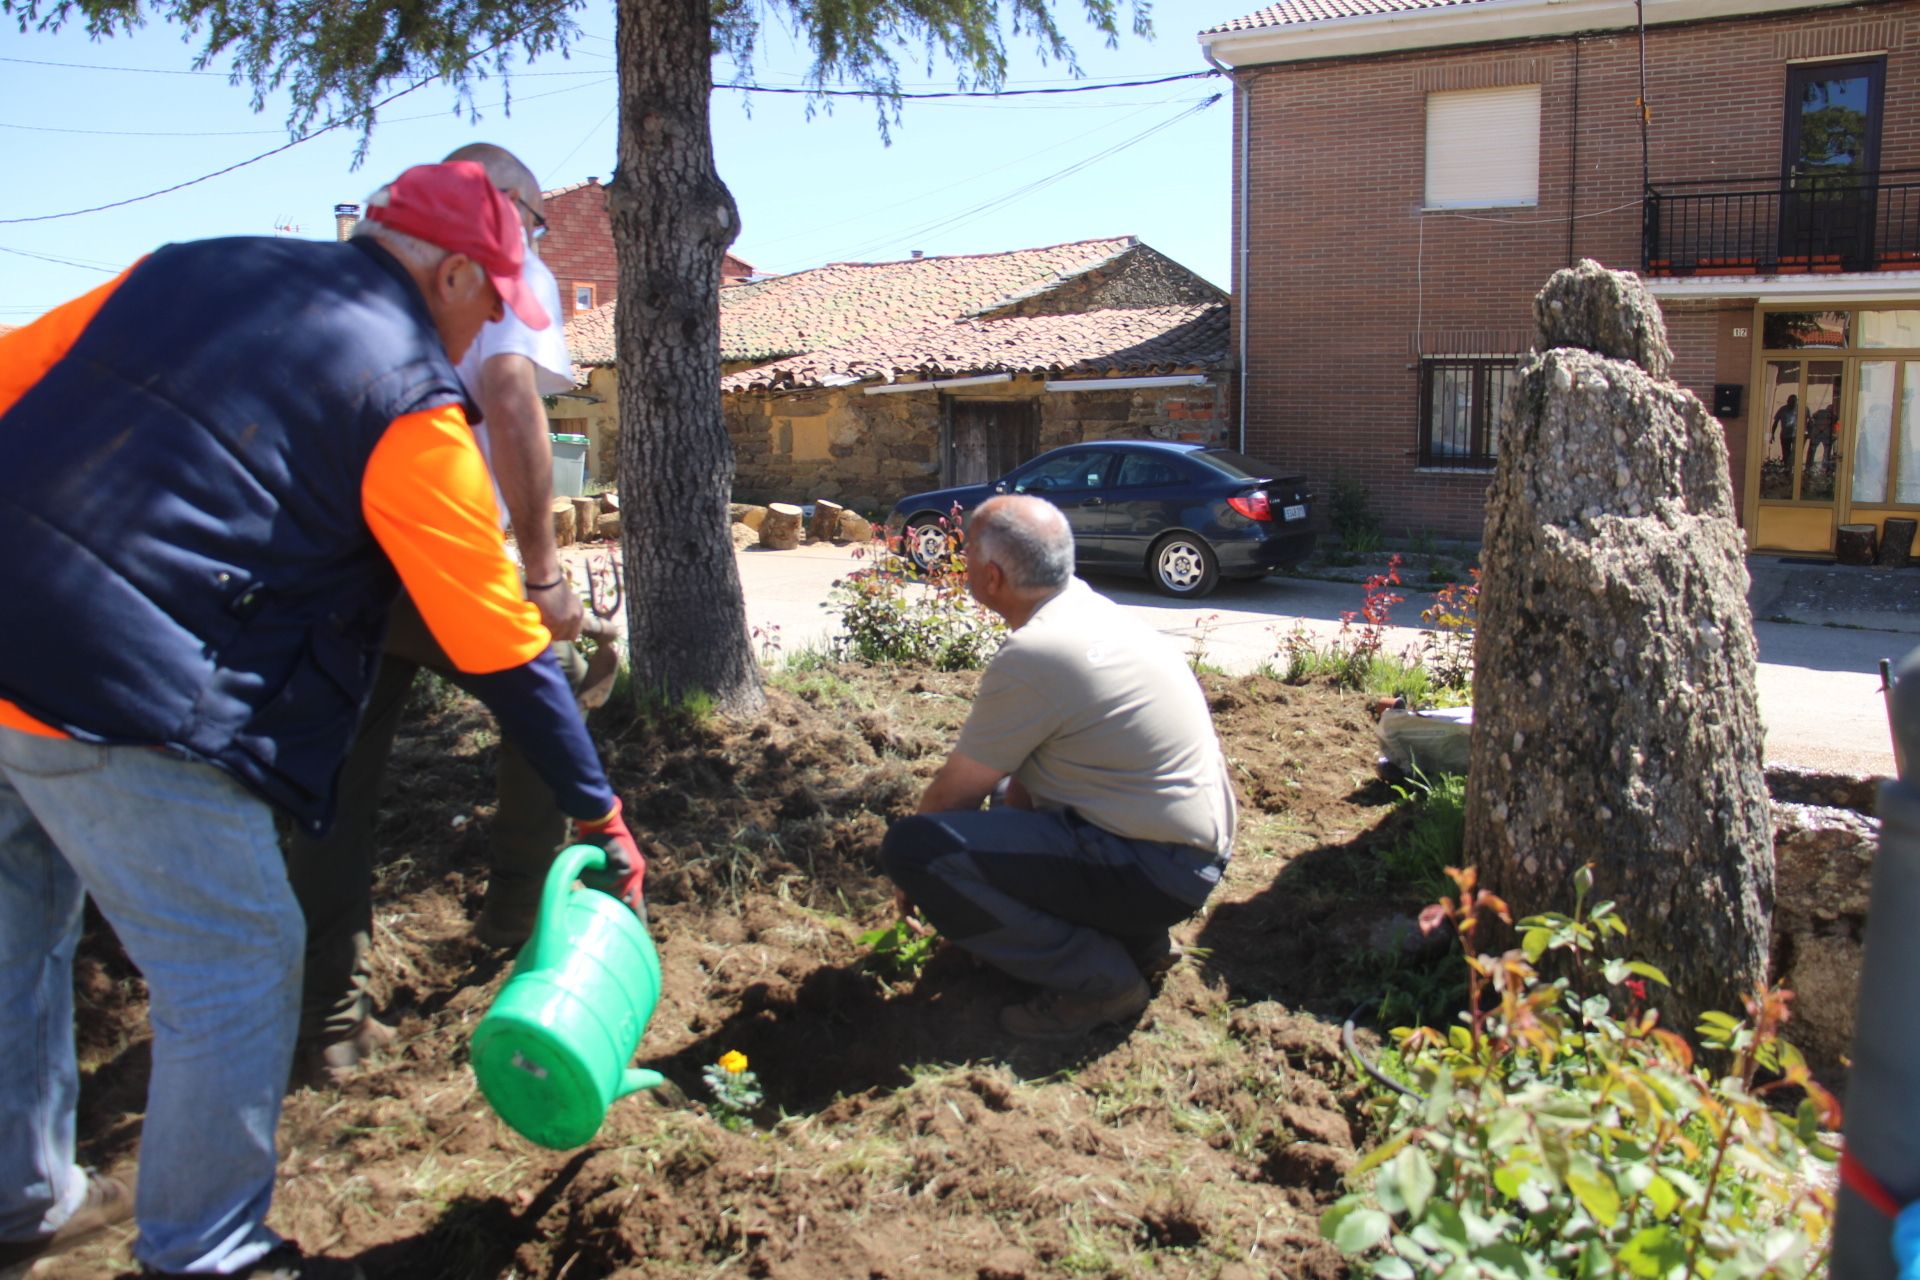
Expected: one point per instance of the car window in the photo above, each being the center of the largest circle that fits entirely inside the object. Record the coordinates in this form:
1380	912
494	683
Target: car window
1066	473
1138	470
1237	466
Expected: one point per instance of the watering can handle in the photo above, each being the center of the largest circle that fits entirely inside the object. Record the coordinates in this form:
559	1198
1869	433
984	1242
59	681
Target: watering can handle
566	868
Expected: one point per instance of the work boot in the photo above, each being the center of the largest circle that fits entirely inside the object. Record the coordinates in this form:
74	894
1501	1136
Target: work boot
1154	954
1057	1015
108	1201
288	1263
340	1060
507	916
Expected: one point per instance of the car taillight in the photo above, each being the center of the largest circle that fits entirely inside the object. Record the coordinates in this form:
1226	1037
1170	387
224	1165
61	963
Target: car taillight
1253	505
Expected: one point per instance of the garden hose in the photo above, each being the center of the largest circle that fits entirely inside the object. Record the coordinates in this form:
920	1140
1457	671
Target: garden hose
1353	1051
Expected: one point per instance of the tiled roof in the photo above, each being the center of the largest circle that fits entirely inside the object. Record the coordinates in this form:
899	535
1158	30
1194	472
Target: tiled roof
1294	12
836	304
1142	340
571	186
590	339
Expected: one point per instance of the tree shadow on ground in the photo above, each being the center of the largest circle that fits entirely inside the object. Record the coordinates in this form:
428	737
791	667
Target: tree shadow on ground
1318	938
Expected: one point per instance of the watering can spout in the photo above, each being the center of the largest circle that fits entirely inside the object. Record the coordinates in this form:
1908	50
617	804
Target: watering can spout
553	1051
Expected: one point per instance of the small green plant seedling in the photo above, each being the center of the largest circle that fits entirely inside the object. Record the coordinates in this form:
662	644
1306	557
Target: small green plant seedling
901	950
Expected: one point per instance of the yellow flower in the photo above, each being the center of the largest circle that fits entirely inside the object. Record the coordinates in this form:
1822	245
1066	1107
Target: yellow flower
733	1062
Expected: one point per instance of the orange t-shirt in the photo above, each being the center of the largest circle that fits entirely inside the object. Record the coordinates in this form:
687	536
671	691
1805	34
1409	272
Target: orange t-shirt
426	494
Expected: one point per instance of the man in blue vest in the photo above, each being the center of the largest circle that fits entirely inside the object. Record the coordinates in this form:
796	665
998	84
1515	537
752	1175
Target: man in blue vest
215	471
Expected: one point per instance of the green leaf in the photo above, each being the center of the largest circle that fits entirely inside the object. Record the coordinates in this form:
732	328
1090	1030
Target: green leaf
1413	1177
1460	1039
1583	881
1594	1189
1594	1261
1649	972
1534	943
1443	1229
1392	1268
1653	1252
1359	1230
1614	970
1661	1195
1381	1154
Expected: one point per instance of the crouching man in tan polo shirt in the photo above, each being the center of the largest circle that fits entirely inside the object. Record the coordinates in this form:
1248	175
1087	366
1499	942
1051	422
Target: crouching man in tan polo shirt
1117	816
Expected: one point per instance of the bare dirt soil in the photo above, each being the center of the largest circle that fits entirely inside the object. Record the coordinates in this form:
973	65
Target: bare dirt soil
904	1135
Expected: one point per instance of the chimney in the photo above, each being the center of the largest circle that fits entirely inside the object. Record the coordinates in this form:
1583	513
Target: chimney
919	253
344	216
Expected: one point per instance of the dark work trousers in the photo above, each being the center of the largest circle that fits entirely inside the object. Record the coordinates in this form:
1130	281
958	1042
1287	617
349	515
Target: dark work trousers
1046	896
333	877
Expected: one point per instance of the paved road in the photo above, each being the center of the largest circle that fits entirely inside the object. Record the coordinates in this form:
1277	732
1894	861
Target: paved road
1819	685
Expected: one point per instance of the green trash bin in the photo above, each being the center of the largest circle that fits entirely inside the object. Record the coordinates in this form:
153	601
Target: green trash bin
569	466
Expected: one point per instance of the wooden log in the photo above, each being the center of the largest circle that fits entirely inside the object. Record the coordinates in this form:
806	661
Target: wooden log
565	523
855	527
609	501
1854	544
608	526
825	525
586	516
749	515
1896	541
780	531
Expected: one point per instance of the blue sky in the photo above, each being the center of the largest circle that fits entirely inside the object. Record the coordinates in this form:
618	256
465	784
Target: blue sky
966	176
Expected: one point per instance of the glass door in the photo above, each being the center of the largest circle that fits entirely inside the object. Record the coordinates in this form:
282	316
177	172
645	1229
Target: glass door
1831	157
1801	454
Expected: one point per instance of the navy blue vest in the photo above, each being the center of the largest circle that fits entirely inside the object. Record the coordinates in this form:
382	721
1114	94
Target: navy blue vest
183	559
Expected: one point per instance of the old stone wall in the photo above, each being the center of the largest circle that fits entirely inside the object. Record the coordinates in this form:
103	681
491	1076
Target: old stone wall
868	451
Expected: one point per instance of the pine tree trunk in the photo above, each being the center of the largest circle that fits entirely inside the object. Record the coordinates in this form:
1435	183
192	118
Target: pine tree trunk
672	221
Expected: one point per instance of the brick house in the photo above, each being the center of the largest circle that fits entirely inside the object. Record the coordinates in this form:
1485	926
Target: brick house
578	248
1408	172
862	382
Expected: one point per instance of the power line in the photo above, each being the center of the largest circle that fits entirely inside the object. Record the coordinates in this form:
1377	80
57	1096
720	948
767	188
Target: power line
987	206
65	262
254	133
967	93
562	162
165	71
970	179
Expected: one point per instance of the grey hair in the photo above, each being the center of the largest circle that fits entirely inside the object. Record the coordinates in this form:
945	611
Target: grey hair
504	169
411	250
1028	538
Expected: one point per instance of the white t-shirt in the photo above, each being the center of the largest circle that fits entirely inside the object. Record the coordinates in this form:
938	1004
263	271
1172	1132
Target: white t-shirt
509	335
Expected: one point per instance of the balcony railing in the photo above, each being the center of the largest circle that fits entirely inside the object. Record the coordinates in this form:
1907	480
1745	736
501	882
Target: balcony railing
1783	226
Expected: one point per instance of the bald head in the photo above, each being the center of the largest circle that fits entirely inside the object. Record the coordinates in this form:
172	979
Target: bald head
504	170
1027	537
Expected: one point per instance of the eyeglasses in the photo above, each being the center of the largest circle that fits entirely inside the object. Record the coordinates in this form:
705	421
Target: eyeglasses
539	223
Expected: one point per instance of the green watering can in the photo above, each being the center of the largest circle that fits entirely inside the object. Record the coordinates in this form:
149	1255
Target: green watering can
551	1055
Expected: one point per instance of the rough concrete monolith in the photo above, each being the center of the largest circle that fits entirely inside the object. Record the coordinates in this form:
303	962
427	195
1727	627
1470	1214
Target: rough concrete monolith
1615	719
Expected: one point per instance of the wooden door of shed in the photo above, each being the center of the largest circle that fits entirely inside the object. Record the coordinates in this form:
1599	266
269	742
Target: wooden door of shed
990	438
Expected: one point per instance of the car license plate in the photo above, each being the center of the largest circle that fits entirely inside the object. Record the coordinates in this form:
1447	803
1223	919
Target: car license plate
1296	512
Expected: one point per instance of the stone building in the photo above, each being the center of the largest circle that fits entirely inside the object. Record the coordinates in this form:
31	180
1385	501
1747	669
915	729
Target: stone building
578	248
861	382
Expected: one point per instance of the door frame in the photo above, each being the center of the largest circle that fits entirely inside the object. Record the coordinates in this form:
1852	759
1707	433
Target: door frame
1798	74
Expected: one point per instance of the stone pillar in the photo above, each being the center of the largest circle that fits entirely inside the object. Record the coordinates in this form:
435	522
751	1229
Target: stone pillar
1615	716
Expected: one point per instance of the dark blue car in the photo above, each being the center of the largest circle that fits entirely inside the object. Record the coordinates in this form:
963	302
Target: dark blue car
1185	515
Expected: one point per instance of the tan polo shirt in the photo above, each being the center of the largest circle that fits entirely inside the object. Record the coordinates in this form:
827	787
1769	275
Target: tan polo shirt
1096	712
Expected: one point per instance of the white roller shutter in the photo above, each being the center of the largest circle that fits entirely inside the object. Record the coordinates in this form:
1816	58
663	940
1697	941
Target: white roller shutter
1483	148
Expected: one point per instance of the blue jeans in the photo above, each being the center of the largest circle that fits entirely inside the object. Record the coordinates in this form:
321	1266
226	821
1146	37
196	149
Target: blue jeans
1044	895
183	862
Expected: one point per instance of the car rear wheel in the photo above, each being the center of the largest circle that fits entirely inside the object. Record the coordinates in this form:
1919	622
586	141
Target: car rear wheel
1183	565
927	542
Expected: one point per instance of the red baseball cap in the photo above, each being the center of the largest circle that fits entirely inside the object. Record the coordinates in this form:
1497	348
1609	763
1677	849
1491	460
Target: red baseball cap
457	207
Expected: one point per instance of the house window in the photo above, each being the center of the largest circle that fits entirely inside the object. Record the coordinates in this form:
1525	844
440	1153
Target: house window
582	296
1461	398
1483	148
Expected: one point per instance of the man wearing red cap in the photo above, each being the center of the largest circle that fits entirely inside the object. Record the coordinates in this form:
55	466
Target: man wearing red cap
215	470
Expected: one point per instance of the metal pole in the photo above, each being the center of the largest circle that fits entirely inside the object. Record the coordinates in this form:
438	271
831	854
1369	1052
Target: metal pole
1883	1089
